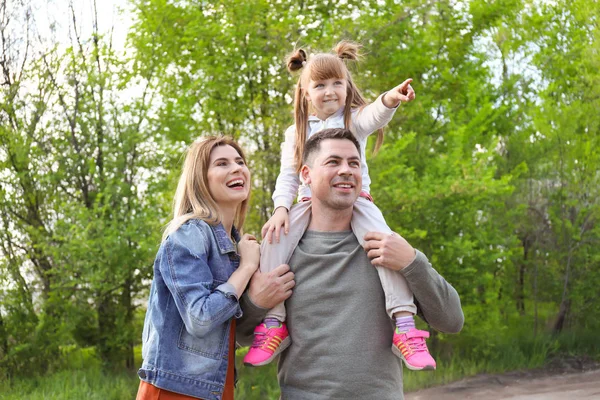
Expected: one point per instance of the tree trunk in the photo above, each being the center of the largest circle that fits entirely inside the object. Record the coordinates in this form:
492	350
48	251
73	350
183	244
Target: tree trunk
106	330
128	307
520	290
3	338
563	311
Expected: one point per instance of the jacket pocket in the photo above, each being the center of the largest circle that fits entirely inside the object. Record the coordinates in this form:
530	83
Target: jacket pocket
209	346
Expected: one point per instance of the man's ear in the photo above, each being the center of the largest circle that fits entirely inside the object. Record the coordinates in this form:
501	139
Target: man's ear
305	174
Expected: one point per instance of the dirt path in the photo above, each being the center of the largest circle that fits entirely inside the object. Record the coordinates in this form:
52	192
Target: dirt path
565	382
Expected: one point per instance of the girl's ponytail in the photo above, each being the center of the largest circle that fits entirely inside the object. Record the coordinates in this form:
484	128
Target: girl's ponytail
296	60
347	50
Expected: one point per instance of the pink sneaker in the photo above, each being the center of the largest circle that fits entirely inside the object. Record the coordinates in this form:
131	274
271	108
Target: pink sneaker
267	344
411	348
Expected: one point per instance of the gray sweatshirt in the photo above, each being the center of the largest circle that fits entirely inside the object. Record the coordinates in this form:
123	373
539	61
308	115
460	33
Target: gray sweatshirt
341	334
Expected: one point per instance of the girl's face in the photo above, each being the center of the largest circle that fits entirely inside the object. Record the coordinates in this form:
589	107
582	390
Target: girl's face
327	96
228	177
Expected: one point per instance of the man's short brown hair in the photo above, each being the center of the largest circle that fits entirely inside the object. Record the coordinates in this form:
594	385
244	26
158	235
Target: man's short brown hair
313	144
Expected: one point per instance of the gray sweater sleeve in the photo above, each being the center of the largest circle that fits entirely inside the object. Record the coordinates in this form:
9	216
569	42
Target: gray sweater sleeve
436	300
251	317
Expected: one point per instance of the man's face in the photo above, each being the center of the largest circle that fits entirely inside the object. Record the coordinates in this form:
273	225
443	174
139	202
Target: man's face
334	175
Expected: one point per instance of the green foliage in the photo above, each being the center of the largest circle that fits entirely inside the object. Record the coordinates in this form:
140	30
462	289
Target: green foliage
80	218
256	383
492	171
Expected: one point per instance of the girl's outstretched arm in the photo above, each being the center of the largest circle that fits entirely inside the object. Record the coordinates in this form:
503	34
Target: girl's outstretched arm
401	93
379	113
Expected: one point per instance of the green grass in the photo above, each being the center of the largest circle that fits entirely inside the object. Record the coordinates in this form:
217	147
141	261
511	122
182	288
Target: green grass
256	383
84	378
507	354
87	384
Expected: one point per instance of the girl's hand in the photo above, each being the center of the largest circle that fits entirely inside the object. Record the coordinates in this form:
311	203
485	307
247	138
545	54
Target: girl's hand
401	93
249	251
279	219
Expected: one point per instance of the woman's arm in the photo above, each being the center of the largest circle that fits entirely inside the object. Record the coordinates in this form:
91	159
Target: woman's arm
249	251
185	270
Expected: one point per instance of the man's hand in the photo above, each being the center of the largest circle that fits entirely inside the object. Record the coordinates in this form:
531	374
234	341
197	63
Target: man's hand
266	290
389	250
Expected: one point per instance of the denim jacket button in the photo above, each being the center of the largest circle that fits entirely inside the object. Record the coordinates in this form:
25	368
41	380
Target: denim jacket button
142	374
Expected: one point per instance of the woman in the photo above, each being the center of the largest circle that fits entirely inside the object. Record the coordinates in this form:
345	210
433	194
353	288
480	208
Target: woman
188	339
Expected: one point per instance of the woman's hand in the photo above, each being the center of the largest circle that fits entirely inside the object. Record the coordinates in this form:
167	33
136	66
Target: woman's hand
249	251
401	93
279	219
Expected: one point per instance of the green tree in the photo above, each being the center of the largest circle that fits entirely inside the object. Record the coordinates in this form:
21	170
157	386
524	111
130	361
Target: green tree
81	200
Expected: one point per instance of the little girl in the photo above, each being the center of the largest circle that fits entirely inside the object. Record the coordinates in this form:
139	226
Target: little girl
326	97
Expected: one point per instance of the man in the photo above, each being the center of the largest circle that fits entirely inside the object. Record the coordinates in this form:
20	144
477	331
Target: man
338	304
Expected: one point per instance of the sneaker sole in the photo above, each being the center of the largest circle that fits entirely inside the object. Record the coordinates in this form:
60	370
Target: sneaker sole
284	345
398	354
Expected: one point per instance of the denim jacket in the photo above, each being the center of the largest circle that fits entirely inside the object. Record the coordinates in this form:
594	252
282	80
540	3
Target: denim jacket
186	330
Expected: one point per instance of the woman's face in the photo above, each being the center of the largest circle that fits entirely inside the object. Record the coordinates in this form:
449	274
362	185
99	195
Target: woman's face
228	177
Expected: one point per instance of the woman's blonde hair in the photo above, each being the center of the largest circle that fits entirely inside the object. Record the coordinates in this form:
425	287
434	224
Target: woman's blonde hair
319	67
192	197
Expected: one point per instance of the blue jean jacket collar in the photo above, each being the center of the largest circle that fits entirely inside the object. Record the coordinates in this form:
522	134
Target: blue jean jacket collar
225	244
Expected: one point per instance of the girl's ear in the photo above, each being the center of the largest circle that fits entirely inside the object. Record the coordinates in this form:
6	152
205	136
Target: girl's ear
305	174
306	95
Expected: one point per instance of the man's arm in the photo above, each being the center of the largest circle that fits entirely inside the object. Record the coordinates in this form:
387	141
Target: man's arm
265	291
251	317
436	300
